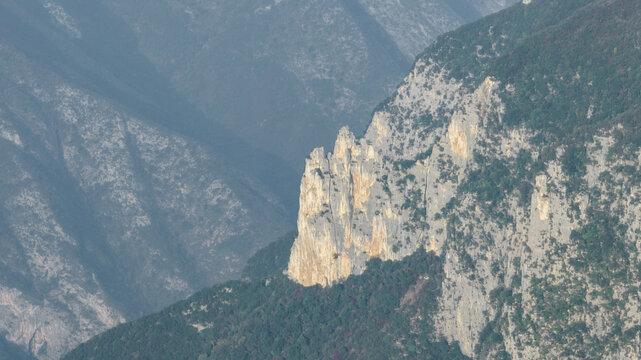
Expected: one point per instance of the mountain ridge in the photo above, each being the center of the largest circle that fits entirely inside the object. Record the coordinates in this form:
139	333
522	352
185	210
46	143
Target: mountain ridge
491	154
126	183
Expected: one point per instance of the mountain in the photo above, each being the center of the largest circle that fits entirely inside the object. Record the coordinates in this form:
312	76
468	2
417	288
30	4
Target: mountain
506	165
135	168
13	351
107	212
511	150
297	69
272	317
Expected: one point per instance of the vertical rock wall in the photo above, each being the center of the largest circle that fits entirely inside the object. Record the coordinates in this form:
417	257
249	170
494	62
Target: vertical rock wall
370	197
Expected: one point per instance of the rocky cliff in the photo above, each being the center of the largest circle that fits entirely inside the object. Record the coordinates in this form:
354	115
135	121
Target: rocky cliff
121	187
489	154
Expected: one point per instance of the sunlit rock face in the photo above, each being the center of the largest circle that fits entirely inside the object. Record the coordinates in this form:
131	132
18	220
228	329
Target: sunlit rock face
315	65
441	167
370	197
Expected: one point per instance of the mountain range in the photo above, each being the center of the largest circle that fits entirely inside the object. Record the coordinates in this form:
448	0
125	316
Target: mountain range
489	211
149	148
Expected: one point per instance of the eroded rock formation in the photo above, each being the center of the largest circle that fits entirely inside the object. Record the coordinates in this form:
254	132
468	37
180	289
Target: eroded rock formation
369	198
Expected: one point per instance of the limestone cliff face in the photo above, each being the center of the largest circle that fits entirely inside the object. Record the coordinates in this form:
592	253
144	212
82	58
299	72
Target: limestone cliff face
421	175
105	215
370	197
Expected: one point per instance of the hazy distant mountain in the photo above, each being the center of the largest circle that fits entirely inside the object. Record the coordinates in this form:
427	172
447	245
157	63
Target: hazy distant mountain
149	148
107	211
298	70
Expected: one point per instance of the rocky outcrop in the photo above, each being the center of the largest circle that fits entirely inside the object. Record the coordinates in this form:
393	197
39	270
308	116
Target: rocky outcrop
541	251
104	214
371	196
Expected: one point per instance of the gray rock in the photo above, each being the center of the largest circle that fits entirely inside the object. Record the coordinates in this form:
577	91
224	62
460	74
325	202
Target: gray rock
401	186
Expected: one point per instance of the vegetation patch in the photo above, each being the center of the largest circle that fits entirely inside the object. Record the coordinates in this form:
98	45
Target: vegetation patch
366	317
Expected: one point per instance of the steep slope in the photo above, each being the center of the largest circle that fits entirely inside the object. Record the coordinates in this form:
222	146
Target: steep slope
298	69
271	260
12	351
105	212
121	188
415	24
512	151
